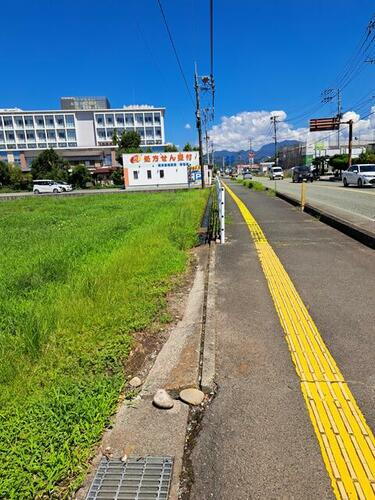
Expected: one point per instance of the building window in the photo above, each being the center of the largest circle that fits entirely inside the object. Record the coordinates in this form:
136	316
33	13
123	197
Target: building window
41	135
139	119
149	175
120	119
39	121
129	119
20	135
161	172
29	122
50	122
51	134
8	122
107	160
135	174
10	136
60	121
19	121
71	134
157	118
69	120
100	119
109	119
30	135
61	134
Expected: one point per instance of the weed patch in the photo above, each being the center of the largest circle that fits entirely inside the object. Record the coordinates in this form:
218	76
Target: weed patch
78	276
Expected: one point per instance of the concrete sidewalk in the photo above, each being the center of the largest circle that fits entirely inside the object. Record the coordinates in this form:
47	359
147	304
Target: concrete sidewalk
257	440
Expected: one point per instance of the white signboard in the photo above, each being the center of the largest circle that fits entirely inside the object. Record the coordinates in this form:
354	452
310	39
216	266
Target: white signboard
185	158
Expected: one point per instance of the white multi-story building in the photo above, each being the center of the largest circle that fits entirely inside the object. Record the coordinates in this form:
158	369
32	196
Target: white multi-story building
80	136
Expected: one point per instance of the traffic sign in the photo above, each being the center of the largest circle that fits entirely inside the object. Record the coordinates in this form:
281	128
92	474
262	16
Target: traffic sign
322	124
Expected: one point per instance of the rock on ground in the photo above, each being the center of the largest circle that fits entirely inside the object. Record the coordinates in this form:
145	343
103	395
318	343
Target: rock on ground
192	396
163	400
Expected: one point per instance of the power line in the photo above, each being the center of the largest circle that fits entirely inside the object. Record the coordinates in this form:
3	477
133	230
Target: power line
175	51
212	54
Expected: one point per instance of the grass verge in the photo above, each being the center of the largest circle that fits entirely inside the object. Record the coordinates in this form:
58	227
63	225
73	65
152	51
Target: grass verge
255	185
78	276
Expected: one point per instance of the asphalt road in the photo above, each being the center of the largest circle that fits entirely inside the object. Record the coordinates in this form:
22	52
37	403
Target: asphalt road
350	200
256	439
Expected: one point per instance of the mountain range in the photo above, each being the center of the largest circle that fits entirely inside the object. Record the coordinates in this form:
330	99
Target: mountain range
241	156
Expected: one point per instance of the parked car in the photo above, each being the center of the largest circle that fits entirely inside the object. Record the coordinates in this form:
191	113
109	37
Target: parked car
301	174
247	175
65	186
360	175
275	173
46	186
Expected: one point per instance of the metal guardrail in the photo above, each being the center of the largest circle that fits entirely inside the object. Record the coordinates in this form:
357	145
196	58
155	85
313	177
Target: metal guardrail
216	230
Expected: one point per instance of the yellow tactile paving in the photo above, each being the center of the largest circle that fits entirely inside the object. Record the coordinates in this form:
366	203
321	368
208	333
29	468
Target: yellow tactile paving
347	443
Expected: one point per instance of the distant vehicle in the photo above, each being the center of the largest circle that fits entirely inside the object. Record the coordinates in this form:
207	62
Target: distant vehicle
233	174
247	175
360	175
65	186
301	174
275	173
46	186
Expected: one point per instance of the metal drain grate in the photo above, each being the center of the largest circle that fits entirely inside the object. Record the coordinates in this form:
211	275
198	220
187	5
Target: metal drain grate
143	478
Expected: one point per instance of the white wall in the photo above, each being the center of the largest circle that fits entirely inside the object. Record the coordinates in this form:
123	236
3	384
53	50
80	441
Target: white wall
172	176
85	128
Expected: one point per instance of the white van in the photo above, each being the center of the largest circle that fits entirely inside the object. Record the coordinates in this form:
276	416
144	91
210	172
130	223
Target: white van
275	173
46	186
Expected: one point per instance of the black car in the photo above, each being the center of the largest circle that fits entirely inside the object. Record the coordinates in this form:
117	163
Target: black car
301	174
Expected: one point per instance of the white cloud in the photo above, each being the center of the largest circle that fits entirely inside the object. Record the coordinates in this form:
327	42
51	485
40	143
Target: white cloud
234	131
188	126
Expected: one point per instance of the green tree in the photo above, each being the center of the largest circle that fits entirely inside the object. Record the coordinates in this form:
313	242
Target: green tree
170	148
365	157
339	162
129	142
116	177
320	162
188	147
4	173
80	176
48	164
15	177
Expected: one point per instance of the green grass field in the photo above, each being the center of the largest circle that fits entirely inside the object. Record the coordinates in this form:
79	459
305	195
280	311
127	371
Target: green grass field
77	277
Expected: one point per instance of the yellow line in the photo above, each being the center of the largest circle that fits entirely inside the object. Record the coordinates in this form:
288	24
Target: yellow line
346	441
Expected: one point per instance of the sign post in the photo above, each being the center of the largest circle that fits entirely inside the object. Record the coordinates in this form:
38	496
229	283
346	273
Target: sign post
303	195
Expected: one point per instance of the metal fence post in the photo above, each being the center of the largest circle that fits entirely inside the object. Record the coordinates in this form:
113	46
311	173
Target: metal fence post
222	215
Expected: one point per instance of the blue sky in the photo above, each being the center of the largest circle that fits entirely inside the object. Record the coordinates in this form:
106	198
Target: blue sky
269	54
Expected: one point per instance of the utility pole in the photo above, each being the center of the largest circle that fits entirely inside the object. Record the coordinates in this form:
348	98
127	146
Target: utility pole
327	96
339	113
199	125
207	150
350	123
275	122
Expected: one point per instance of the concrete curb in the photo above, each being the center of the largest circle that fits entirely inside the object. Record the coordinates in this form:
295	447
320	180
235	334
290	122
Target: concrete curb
209	344
347	227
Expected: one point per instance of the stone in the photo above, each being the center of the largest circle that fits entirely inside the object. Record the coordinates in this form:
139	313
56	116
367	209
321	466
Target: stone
192	396
163	400
135	382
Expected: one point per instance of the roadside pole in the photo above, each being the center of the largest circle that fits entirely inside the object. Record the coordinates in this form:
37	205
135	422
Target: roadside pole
199	126
350	123
303	195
